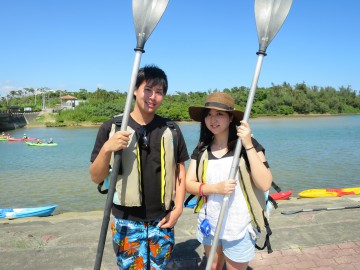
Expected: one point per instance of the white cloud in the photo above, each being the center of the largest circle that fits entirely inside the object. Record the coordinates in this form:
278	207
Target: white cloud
5	88
100	85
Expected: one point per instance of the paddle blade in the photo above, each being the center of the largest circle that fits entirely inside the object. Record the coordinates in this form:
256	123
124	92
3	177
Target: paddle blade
270	16
147	14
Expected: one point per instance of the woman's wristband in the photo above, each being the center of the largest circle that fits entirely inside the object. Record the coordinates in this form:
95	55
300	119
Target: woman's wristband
200	190
249	148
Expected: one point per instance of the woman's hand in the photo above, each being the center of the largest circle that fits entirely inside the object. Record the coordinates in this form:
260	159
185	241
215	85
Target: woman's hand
226	187
244	132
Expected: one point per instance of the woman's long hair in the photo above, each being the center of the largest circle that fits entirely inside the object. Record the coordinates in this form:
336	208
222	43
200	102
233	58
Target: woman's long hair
206	136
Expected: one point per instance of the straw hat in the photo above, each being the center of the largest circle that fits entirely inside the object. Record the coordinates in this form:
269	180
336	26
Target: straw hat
217	101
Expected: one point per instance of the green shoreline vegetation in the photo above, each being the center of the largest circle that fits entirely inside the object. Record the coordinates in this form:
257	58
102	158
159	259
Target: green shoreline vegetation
94	108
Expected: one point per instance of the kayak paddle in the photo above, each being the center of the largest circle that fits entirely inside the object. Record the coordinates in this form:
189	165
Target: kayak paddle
269	16
290	212
146	14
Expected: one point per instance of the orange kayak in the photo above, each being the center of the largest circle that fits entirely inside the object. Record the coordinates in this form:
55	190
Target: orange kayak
329	192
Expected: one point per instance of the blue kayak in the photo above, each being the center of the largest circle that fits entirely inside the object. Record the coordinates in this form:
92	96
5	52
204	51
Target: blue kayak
41	211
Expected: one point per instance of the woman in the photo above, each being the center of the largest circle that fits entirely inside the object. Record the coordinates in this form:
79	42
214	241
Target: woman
208	174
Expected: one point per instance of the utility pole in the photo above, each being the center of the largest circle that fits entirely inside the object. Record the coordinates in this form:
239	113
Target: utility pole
43	101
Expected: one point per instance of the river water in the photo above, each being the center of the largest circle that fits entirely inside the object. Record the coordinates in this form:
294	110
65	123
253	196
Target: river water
303	153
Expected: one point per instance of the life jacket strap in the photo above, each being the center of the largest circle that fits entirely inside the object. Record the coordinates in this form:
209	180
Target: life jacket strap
174	132
188	199
274	203
172	128
267	238
275	186
99	188
118	127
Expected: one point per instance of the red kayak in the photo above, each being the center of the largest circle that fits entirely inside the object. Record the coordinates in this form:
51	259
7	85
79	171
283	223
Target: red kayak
283	195
21	139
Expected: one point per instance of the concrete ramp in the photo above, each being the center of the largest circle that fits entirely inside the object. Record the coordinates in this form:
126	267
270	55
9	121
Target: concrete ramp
29	117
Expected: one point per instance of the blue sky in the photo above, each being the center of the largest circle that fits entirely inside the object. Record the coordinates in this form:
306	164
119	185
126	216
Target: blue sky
201	45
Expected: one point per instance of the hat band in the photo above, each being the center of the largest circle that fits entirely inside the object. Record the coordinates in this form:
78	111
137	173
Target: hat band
219	105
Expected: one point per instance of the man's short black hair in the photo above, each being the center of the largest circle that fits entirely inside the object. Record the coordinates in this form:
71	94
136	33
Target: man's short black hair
153	75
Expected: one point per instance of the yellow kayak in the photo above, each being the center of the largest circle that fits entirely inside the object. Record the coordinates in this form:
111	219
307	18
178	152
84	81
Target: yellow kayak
329	192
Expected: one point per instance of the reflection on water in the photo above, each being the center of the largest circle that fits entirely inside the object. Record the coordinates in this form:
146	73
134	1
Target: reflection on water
303	153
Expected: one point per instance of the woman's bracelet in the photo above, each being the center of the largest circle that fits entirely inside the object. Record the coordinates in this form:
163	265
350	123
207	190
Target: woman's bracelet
249	148
200	190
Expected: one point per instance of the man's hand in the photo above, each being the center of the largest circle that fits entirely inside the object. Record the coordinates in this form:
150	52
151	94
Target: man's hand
171	218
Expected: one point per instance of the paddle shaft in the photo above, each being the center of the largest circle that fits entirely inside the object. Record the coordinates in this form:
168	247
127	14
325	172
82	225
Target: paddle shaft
116	165
235	162
146	16
290	212
269	16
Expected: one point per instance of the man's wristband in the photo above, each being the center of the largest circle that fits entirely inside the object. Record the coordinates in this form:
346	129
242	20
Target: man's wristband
249	148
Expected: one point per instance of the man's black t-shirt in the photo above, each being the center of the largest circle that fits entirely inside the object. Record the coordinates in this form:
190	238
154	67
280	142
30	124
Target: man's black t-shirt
150	167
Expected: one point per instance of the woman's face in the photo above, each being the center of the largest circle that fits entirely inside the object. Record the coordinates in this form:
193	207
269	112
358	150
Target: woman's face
218	121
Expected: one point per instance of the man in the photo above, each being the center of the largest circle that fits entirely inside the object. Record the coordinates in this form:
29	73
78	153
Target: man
150	189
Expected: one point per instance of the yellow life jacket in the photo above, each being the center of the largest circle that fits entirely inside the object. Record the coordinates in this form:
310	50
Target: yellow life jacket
254	197
128	185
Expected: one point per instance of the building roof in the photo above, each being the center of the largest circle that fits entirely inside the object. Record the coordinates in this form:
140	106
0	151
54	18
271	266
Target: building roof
68	97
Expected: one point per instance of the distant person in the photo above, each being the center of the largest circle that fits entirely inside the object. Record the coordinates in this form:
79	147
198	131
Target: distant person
207	176
146	206
50	141
25	136
38	141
